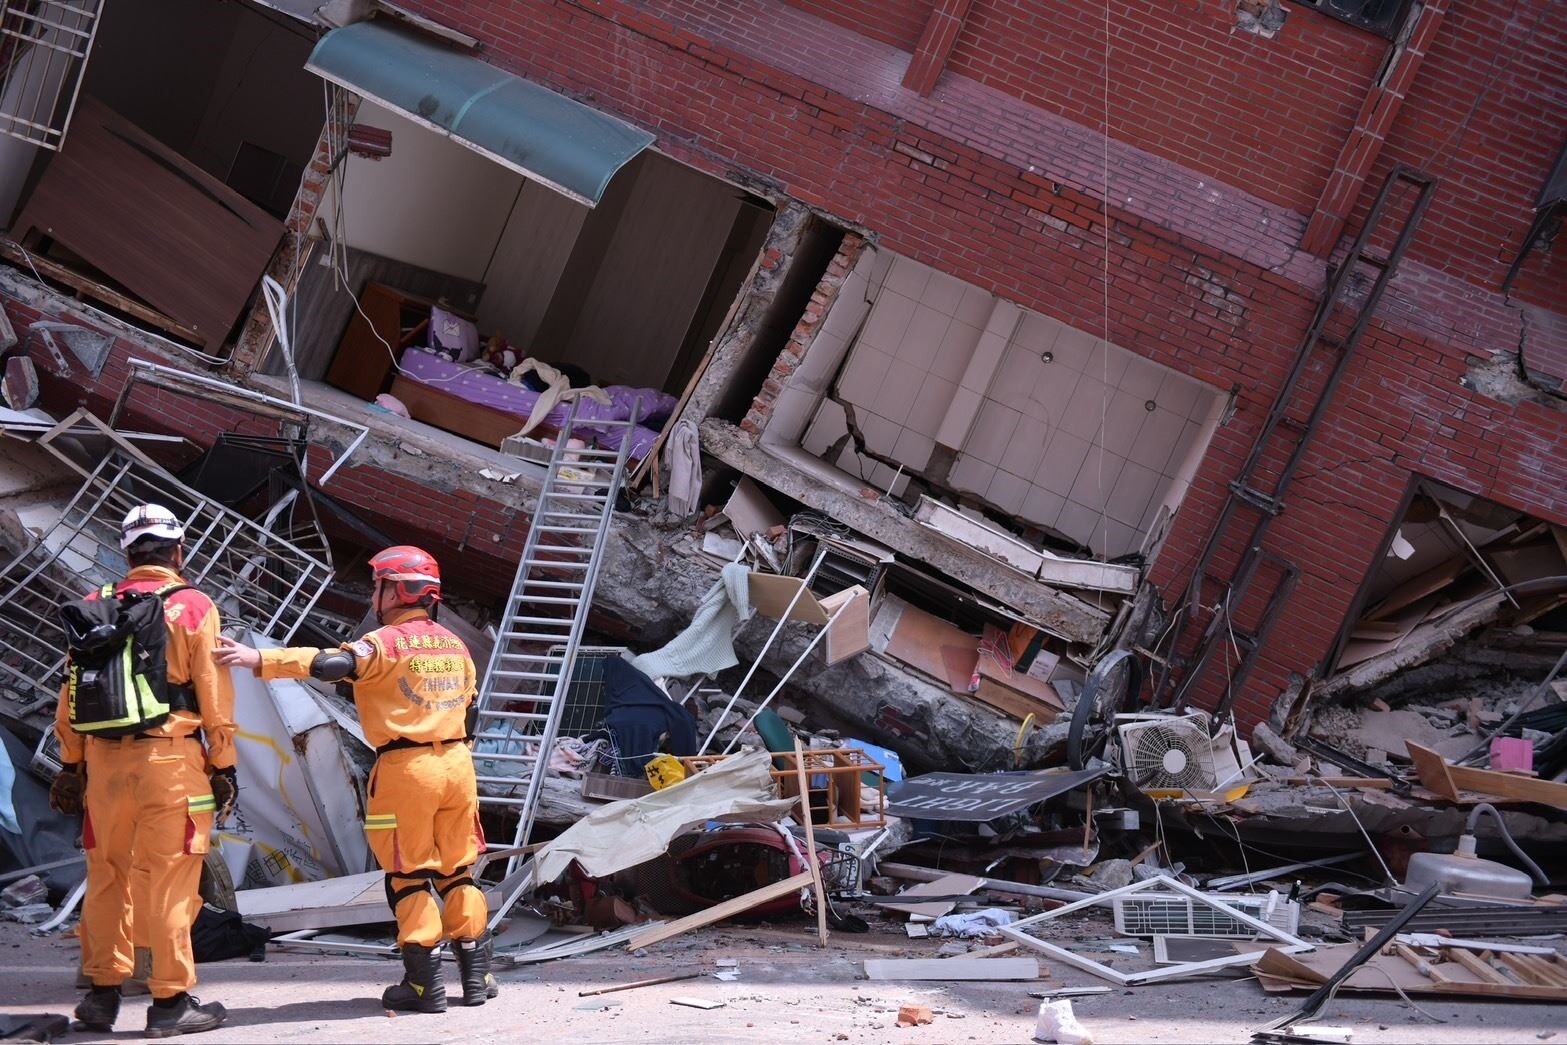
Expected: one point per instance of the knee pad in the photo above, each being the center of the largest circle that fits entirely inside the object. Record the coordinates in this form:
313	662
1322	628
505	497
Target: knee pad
396	895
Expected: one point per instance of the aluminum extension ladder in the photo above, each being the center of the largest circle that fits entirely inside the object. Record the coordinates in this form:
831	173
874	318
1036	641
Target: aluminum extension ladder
523	689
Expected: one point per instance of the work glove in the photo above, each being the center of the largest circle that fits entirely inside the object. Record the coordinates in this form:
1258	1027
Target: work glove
225	793
65	793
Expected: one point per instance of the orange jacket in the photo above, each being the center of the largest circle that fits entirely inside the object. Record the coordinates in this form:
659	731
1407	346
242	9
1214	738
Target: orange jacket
413	679
193	625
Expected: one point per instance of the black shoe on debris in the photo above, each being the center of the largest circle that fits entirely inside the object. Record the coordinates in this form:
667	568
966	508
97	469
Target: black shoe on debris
186	1016
473	962
422	989
99	1009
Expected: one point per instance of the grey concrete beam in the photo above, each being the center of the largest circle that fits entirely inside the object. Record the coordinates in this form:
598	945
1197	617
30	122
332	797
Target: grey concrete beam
1054	611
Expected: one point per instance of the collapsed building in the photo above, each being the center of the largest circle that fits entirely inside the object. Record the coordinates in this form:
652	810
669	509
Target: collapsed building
1250	365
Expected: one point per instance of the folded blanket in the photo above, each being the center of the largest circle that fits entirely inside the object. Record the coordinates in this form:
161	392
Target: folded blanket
707	645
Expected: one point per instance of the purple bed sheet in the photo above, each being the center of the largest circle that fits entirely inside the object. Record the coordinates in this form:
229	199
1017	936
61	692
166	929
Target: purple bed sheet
481	385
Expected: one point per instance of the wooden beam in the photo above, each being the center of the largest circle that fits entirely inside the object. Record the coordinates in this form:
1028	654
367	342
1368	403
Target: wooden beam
728	909
43	267
1446	779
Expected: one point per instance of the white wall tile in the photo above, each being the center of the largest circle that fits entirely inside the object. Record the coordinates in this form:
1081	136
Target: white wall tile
1054	389
826	428
1124	418
898	390
1143	379
1108	362
1007	492
1087	408
943	293
881	434
1042	506
1157	439
1097	477
956	352
981	370
1078	522
913	449
1179	394
930	405
908	278
1135	487
1038	333
1062	460
1014	381
821	362
1026	447
862	378
992	432
889	322
975	307
1073	347
972	475
791	412
960	416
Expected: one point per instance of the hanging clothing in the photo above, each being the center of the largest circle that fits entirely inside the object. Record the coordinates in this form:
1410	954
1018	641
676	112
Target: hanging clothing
639	716
683	459
557	390
707	645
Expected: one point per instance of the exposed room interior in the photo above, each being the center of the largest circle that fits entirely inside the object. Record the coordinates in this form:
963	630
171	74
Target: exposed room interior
465	270
185	133
921	386
1453	552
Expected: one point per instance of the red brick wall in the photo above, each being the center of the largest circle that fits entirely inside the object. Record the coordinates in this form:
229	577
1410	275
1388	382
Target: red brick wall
1265	115
895	22
1484	116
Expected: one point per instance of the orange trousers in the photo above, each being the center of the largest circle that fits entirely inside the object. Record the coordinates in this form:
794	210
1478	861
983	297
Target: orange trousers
423	826
148	822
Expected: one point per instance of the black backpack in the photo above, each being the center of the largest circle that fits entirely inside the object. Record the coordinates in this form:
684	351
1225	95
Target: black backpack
117	680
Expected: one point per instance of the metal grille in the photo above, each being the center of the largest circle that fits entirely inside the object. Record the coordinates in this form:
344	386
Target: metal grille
44	46
583	709
255	576
1165	914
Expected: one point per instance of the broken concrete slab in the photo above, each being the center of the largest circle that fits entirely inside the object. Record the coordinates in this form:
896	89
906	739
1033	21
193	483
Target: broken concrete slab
1051	610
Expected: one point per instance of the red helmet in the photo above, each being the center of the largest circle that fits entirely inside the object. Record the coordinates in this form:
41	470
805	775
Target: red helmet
416	574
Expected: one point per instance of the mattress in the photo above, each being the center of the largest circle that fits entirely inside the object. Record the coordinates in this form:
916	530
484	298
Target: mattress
482	385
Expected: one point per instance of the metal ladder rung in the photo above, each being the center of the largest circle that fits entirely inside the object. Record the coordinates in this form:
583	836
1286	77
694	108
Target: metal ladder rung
513	619
556	564
525	716
503	801
577	585
557	528
574	496
541	676
551	600
530	636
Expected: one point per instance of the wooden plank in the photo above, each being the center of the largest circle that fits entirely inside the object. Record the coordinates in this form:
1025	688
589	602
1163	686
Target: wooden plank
929	644
966	967
1446	779
152	221
1362	782
1417	588
96	291
717	913
987	952
1476	964
810	844
947	885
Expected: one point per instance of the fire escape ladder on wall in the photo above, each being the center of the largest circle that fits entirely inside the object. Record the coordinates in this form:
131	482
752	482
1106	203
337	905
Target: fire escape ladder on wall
1226	580
524	688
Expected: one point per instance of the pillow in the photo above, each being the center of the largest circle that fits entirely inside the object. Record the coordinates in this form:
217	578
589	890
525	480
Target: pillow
452	336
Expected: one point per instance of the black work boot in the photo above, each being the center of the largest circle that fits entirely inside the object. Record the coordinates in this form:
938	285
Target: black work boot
422	989
99	1009
183	1014
473	962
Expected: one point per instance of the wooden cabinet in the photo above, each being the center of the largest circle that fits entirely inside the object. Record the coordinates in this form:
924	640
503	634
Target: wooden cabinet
365	362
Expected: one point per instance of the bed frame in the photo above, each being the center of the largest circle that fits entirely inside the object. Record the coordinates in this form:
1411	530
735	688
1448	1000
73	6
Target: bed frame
451	413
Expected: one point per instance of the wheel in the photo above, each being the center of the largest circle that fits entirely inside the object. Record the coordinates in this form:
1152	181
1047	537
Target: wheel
1112	681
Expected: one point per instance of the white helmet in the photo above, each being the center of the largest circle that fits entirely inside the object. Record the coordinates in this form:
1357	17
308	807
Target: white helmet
150	520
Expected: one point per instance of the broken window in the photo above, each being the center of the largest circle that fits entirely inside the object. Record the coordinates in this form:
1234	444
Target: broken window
1383	17
44	46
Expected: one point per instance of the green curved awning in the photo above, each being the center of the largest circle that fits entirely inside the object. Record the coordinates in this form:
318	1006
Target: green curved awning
542	135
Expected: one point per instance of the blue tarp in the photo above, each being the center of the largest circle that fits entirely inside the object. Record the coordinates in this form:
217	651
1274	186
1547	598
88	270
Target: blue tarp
543	135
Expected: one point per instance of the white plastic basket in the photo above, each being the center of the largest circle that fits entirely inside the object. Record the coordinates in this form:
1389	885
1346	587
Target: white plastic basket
1167	914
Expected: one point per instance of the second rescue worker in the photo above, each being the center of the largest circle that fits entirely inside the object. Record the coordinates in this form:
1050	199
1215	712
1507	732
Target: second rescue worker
414	686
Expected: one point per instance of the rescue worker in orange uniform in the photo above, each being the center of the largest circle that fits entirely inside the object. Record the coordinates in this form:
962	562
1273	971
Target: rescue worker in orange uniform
148	801
414	686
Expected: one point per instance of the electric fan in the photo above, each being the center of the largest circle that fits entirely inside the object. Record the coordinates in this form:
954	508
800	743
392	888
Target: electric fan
1170	754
